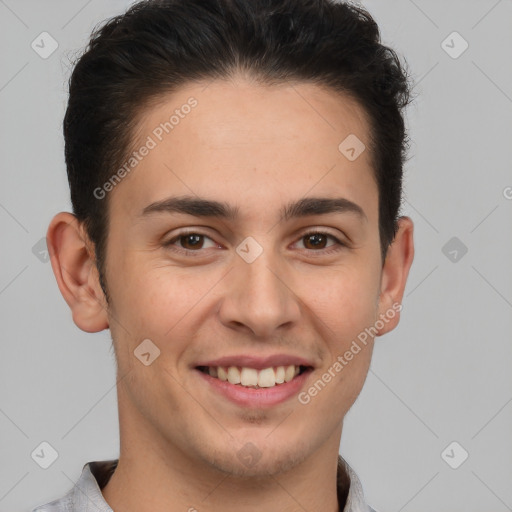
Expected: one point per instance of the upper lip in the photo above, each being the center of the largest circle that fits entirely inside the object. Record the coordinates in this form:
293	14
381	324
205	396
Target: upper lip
257	362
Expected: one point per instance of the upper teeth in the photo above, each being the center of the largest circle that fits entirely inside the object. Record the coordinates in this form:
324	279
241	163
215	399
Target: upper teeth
251	377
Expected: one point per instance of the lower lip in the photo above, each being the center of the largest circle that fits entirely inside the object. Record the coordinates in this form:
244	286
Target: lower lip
262	397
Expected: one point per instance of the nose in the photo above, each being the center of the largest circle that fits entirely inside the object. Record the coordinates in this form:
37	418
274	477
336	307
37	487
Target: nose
258	297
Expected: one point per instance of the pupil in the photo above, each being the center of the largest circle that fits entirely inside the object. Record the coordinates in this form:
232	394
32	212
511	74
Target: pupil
189	239
316	238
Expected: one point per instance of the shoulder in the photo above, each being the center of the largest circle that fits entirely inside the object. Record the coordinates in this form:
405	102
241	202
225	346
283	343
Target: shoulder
86	493
59	505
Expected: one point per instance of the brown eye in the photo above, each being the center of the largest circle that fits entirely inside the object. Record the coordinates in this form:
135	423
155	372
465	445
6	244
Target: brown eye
192	241
317	241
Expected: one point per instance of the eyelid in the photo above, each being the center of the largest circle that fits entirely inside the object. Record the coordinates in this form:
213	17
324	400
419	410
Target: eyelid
339	235
337	246
186	231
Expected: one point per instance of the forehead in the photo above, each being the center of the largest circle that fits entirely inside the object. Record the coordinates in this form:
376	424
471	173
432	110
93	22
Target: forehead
257	142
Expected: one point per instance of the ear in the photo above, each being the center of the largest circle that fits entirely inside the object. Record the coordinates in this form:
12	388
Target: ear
394	275
74	266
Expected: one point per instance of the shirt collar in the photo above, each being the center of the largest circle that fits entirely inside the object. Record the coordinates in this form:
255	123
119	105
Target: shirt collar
86	495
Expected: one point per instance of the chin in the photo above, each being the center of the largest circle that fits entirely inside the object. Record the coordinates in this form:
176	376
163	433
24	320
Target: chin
253	459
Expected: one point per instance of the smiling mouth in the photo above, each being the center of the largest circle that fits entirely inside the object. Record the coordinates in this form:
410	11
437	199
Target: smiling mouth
253	378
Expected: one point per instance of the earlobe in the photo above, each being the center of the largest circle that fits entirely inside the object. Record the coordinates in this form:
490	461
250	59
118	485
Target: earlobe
394	275
73	264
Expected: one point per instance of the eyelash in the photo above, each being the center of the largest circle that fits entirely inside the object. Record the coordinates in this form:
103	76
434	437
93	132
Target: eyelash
190	253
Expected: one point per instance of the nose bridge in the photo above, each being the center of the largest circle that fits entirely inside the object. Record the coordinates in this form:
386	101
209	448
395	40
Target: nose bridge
257	294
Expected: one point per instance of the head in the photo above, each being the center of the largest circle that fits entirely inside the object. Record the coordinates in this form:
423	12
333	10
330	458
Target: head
198	133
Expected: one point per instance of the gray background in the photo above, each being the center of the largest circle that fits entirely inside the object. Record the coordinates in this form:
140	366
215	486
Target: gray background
443	375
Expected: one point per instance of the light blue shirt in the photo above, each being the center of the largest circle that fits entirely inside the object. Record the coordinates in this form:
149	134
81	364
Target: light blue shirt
86	495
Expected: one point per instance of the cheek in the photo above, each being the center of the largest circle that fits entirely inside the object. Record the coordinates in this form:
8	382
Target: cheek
156	300
345	305
344	309
344	299
138	303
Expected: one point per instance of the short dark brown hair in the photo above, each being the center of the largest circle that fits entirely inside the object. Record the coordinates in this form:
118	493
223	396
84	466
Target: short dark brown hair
158	46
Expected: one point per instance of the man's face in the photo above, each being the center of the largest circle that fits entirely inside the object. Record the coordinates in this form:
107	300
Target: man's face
212	299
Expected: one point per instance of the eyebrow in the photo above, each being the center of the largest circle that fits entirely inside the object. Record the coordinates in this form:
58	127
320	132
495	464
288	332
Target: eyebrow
200	207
